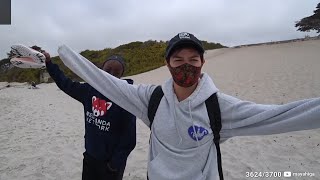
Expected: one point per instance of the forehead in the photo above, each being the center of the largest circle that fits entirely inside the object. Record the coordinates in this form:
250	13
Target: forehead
112	63
185	52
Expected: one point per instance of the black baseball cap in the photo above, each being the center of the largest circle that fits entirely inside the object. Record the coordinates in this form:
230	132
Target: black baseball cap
181	39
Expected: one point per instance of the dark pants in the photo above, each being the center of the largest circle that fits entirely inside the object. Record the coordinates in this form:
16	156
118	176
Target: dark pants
97	170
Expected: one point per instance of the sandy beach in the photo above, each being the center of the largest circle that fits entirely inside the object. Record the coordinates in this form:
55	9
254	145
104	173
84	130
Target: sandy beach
42	130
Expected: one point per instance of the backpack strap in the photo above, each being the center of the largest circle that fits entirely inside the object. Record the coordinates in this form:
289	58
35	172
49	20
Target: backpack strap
214	114
154	102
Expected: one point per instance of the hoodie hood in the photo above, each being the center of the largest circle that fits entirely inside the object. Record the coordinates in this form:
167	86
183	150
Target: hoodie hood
203	91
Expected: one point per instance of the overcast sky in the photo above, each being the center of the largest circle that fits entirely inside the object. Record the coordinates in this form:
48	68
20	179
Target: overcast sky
99	24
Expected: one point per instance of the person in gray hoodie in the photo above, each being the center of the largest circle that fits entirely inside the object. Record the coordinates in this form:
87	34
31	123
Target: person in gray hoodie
173	150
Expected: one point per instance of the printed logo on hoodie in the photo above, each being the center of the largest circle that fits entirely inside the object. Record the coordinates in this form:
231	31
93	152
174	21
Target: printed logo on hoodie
100	106
197	132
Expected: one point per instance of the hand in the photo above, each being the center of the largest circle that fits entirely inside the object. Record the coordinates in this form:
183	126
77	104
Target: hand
47	55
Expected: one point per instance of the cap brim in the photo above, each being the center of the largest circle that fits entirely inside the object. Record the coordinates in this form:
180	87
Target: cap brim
185	42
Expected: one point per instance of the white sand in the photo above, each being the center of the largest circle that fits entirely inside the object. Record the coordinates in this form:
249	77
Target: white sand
41	131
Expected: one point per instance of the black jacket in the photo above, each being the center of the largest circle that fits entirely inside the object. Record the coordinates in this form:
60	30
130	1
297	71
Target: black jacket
110	131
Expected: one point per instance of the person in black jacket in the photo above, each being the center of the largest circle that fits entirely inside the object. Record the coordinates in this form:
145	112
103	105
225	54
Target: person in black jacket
110	131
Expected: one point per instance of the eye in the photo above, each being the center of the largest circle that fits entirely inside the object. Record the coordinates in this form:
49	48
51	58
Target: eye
195	60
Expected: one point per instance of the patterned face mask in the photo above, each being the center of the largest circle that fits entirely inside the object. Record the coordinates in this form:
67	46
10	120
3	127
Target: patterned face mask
185	75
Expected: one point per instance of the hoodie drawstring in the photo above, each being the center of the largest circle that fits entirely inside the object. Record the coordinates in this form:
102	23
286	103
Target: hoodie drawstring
194	129
175	123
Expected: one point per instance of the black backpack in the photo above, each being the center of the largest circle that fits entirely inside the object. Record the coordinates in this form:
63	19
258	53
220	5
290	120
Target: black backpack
214	116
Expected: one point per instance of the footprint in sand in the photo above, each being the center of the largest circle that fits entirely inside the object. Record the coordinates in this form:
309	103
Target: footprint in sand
20	167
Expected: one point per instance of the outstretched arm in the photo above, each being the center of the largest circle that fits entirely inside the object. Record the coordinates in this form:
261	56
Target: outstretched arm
74	89
133	98
243	118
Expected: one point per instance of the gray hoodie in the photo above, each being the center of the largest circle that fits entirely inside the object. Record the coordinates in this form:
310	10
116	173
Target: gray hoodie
181	140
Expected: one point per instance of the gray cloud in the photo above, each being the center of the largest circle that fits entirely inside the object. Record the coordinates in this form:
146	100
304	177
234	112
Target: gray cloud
99	24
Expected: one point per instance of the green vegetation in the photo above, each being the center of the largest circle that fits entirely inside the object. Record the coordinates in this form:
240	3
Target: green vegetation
139	56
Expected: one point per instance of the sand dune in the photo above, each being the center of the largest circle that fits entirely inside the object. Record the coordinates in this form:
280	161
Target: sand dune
41	131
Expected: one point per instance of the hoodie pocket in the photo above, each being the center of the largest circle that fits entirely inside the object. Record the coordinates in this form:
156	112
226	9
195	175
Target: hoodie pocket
174	168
